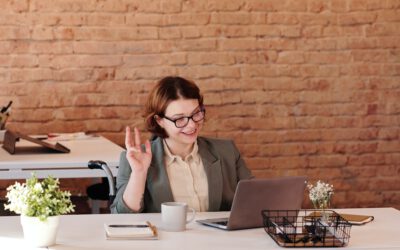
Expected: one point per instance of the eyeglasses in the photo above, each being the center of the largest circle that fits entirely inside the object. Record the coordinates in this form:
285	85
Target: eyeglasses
184	120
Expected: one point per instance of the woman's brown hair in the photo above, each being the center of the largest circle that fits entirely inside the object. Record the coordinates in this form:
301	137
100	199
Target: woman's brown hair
168	89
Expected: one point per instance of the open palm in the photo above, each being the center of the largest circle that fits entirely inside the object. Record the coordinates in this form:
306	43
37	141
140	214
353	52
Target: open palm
138	160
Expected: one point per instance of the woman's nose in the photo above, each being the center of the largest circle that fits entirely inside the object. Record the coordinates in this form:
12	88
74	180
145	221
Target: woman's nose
191	123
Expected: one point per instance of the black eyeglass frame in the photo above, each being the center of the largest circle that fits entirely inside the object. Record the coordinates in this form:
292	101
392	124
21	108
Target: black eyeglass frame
202	110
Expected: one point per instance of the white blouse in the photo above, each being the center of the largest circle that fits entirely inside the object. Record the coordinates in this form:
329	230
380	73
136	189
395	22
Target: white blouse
187	178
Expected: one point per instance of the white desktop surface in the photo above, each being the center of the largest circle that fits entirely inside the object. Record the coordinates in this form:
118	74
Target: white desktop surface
87	232
61	165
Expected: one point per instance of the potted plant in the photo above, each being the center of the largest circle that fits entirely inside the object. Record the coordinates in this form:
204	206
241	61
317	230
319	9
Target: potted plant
40	203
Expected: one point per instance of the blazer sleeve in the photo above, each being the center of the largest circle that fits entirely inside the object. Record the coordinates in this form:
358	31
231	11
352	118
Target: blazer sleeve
124	172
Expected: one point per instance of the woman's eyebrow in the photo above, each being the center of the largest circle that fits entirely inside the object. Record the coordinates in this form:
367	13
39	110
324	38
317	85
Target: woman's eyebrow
194	111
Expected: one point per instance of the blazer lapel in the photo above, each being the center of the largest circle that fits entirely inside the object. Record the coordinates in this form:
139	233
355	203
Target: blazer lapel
157	177
212	166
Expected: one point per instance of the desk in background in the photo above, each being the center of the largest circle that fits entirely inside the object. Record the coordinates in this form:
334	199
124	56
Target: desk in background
87	232
61	165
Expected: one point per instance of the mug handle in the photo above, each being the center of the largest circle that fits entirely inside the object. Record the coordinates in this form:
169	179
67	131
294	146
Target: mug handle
193	215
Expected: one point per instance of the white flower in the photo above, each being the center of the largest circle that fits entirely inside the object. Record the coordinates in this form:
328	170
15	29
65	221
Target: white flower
38	188
320	194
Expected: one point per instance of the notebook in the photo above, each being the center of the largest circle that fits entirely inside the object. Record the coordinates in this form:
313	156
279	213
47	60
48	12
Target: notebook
253	196
136	231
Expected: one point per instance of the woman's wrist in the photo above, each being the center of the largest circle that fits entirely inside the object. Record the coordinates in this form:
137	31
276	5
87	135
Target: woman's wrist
138	175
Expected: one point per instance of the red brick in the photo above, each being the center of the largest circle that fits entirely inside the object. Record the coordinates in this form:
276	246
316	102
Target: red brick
327	161
141	19
216	58
366	198
34	115
258	18
391	197
255	57
99	61
24	61
390	4
199	72
339	6
318	6
16	6
143	60
196	45
283	18
169	33
367	159
195	6
357	43
103	19
297	6
11	33
73	74
144	19
389	171
385	183
61	6
230	18
225	5
323	173
382	29
356	18
236	31
389	146
295	163
357	172
364	5
290	57
291	31
388	16
188	19
392	133
190	32
257	163
261	5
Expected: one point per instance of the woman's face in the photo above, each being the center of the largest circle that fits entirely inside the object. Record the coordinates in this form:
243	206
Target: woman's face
178	109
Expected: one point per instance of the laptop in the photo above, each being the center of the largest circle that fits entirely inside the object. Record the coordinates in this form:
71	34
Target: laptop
253	196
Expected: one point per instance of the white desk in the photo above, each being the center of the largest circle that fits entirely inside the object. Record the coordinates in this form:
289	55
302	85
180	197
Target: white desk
86	232
61	165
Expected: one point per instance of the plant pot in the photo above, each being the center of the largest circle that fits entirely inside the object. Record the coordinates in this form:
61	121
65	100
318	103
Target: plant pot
40	233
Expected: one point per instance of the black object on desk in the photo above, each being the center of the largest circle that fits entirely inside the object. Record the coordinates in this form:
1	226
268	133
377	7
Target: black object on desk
11	138
306	228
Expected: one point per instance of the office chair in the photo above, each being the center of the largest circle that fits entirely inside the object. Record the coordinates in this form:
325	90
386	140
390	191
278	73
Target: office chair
99	191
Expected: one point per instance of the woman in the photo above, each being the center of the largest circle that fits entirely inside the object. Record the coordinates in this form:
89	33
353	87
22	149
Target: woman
177	165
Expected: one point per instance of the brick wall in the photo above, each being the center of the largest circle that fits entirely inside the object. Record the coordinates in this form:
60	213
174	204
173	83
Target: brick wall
304	87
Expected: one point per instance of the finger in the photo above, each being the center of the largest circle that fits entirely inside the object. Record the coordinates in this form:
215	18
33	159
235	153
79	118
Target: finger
148	147
137	138
128	138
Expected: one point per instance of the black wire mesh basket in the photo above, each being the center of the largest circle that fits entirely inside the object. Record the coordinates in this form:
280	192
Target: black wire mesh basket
306	228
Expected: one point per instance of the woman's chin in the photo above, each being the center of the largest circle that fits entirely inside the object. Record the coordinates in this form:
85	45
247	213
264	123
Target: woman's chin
189	138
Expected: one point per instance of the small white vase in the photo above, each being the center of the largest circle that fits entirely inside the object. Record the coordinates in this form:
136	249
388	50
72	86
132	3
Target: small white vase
40	233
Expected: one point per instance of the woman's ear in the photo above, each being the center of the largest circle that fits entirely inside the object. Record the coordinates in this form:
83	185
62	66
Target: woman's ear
159	121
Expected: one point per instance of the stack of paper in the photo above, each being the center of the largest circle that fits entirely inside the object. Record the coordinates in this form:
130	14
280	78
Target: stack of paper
135	231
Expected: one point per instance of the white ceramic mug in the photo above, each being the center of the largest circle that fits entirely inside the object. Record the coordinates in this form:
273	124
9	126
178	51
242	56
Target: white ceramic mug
173	215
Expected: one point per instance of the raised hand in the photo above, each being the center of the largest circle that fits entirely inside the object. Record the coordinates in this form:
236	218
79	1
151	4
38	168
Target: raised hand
138	160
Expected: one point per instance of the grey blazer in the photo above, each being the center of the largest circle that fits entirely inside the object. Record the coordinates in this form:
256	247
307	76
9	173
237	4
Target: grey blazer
223	165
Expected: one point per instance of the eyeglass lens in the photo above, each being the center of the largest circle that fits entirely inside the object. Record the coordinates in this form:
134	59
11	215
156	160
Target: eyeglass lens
183	121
